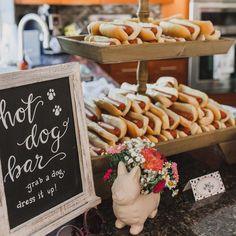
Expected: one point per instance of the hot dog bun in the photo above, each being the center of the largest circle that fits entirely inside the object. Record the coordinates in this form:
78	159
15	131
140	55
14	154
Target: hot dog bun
94	127
165	95
154	124
206	27
159	97
129	87
196	96
102	40
116	122
216	35
116	104
136	28
140	103
230	122
208	117
187	113
93	28
175	30
173	118
132	128
158	111
95	151
151	138
92	112
122	99
120	30
192	28
150	32
219	112
96	141
132	41
170	134
167	81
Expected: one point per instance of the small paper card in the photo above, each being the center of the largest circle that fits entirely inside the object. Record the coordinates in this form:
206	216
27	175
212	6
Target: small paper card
206	186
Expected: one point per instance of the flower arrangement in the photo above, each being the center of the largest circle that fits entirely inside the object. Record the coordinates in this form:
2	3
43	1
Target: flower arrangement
156	172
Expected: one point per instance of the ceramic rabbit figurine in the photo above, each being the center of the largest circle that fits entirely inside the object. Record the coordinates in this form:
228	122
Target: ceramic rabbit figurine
129	206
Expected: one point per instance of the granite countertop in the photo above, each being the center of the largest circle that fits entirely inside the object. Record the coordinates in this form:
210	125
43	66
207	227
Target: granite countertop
181	215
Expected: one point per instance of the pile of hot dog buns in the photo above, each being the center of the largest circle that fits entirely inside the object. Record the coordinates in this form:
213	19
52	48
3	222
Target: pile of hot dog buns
168	111
131	31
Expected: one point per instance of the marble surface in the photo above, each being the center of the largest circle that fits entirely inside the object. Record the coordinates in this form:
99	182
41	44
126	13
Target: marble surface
181	215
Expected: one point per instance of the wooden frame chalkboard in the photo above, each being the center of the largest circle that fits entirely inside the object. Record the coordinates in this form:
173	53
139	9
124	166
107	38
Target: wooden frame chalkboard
31	204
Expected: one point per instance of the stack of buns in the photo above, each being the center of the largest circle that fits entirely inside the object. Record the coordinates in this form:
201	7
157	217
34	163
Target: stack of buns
131	31
168	111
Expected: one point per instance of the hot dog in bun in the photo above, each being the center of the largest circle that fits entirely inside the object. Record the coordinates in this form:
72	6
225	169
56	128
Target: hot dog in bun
102	40
121	30
114	125
140	103
166	120
192	96
187	113
165	95
207	118
154	123
193	29
207	29
132	41
150	32
219	112
95	151
93	28
105	131
97	141
92	112
183	131
174	119
167	81
114	104
170	134
136	124
180	28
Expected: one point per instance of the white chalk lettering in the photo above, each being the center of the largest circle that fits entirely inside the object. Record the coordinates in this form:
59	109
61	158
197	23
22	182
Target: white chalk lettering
15	170
34	139
20	114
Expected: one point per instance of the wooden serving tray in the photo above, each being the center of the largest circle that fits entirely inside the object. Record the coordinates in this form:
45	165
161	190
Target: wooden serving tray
100	164
142	52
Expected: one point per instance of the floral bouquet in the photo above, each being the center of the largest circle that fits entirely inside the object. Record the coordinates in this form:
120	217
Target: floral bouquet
156	172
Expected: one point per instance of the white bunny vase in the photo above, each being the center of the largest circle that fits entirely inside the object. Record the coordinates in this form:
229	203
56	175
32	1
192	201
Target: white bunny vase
129	206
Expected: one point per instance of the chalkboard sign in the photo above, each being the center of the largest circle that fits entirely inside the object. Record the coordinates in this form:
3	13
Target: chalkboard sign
42	137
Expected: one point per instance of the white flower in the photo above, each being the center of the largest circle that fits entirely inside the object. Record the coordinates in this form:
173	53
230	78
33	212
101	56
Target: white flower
130	161
126	158
137	159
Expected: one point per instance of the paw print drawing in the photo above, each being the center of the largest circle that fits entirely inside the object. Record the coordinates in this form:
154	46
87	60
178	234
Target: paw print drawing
57	110
51	94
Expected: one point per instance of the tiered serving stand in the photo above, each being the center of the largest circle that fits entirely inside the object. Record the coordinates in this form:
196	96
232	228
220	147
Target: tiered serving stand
143	53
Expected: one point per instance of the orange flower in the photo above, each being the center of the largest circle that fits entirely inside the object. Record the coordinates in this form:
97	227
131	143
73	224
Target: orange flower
153	159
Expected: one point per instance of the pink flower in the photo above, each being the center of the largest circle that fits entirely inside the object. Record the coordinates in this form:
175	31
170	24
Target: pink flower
153	159
175	171
107	176
159	186
116	149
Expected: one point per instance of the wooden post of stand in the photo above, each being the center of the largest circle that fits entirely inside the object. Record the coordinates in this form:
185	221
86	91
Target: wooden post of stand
142	70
